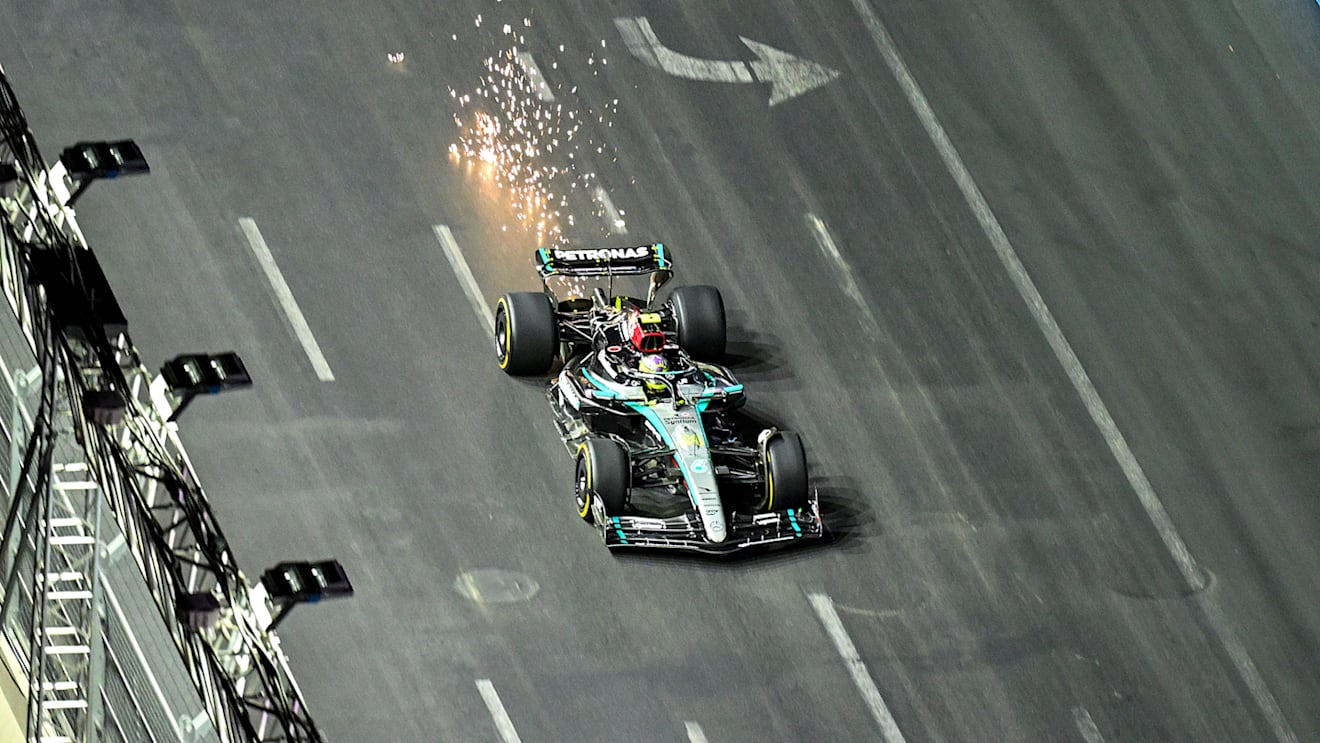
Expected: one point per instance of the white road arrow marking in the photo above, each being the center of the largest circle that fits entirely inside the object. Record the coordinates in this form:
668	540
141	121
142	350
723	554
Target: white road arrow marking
789	76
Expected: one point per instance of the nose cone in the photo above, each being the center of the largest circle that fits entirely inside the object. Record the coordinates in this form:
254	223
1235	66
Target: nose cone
686	435
716	529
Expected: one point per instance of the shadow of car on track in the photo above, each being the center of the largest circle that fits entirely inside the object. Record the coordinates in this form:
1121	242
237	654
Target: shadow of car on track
846	514
753	355
754	360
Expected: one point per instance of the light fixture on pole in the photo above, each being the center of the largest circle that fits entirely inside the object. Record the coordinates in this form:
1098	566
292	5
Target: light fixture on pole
88	161
291	583
194	374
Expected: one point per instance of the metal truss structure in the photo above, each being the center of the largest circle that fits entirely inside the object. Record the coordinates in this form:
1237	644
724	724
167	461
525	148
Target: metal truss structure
100	439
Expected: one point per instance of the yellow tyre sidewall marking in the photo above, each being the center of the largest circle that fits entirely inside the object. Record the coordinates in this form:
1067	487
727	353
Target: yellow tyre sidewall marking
586	500
769	485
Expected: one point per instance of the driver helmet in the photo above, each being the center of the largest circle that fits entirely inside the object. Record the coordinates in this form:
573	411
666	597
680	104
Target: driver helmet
653	363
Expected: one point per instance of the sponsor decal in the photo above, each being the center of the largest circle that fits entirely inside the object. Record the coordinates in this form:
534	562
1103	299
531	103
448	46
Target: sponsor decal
603	254
687	439
699	467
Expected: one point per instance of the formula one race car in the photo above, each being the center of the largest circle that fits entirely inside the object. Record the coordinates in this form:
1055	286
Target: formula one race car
649	416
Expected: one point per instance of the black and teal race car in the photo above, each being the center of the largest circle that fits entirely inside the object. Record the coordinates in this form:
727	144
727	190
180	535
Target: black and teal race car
663	459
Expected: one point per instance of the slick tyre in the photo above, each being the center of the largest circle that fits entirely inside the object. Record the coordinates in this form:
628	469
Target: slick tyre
526	333
699	314
602	472
785	473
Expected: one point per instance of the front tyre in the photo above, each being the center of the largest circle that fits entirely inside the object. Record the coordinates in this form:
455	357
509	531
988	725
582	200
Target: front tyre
526	333
699	314
785	473
602	472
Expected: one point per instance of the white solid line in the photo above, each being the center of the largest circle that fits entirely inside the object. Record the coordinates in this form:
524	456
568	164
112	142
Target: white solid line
856	668
821	232
694	733
1251	676
1118	446
502	722
1035	303
465	277
534	76
285	297
613	215
1086	726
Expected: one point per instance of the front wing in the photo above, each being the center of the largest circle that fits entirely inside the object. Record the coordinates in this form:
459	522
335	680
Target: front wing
685	531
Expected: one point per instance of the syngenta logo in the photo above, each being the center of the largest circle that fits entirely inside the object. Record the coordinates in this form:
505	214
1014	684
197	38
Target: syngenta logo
604	254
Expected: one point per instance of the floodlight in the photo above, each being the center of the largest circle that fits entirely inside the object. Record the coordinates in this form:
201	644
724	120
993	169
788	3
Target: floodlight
198	373
291	583
87	161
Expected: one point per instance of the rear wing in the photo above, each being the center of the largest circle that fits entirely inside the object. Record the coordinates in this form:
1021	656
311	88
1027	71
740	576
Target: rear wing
636	260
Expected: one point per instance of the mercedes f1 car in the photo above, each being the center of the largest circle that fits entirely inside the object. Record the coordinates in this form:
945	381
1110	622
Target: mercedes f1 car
646	410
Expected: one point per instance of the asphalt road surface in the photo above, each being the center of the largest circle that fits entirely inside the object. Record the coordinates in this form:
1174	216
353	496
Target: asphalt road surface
1085	514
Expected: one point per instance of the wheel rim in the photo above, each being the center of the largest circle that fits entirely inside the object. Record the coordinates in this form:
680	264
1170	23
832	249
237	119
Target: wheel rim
501	336
583	491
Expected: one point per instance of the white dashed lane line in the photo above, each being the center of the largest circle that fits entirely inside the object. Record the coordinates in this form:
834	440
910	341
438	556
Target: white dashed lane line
861	676
526	61
825	241
284	296
465	277
1086	726
613	217
503	724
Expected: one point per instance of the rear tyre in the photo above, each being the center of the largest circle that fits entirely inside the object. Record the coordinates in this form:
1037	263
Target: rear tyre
699	314
785	473
602	472
526	333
